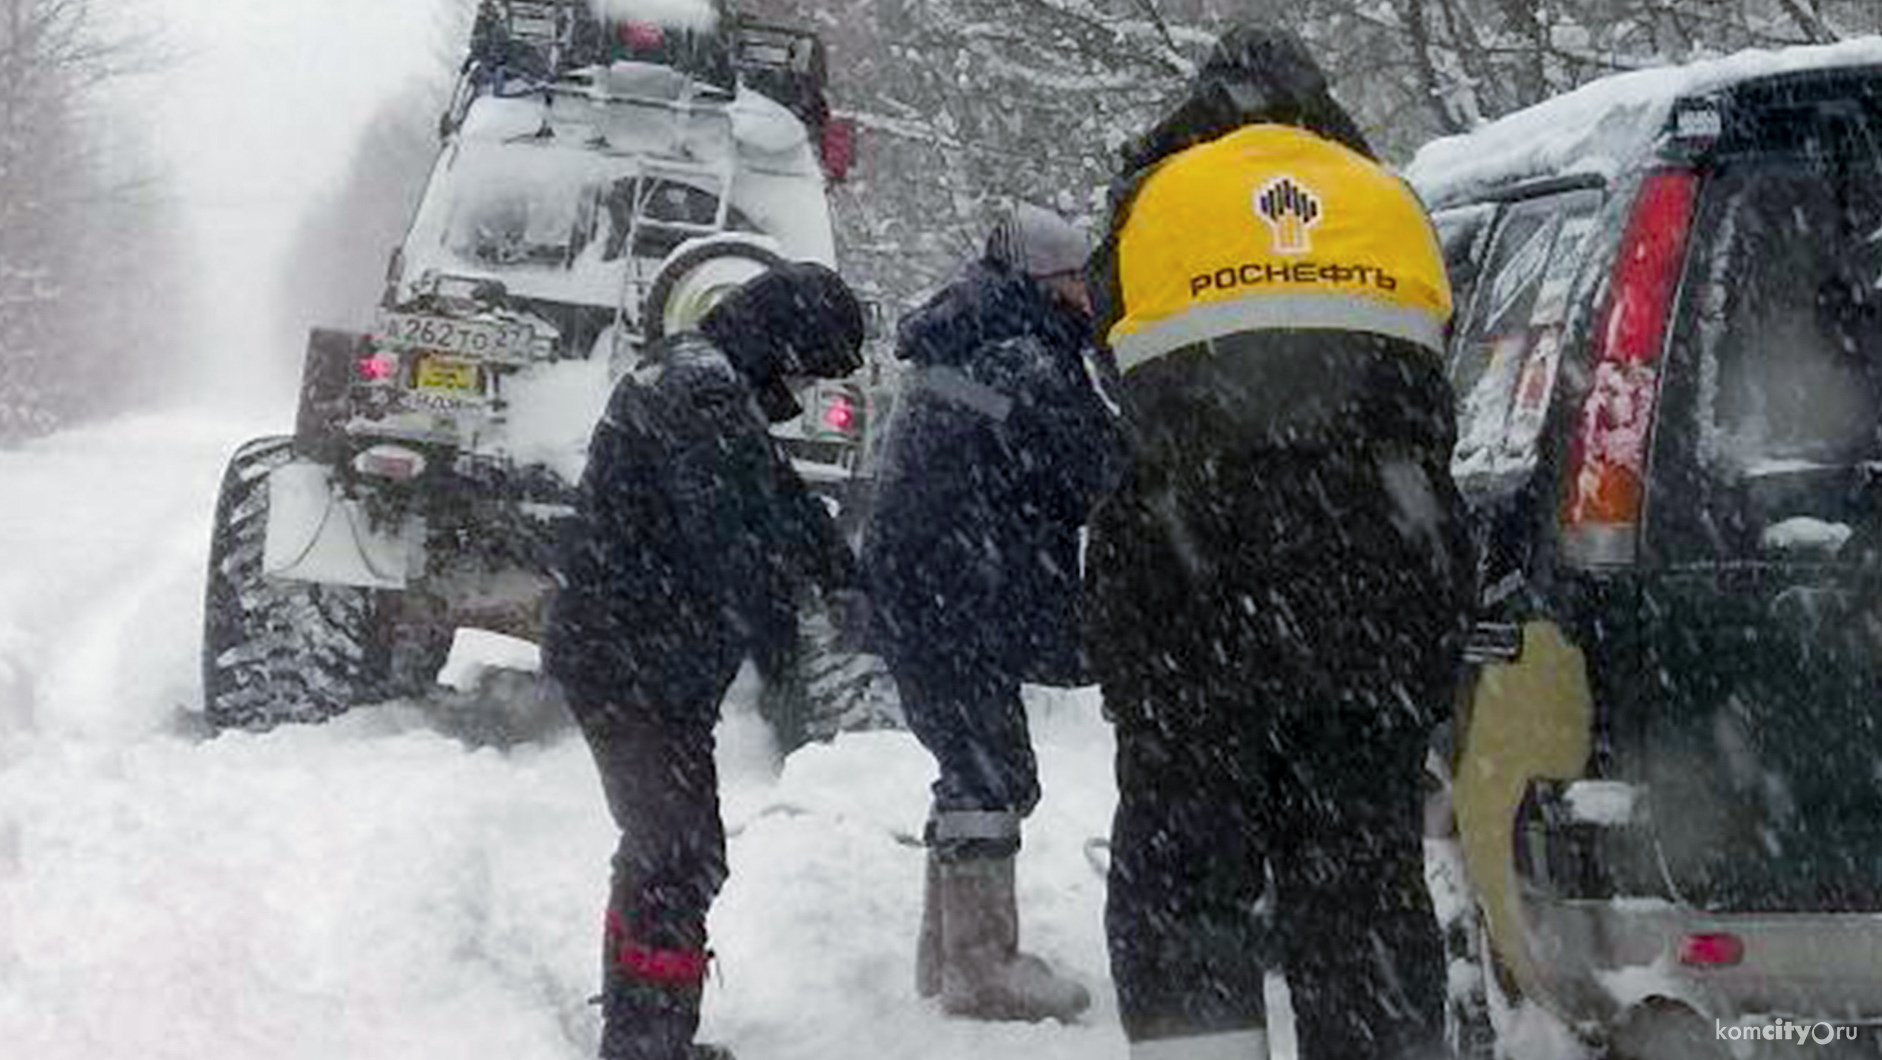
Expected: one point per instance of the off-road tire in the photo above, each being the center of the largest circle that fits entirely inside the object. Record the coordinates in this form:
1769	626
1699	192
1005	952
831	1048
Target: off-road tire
826	687
278	651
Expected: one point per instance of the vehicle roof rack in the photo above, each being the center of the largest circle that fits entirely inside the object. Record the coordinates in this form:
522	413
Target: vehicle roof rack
545	40
523	46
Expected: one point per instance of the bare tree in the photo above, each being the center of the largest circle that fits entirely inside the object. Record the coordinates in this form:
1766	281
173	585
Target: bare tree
81	237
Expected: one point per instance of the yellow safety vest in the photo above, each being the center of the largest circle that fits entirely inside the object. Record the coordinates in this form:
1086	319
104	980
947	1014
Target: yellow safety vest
1272	227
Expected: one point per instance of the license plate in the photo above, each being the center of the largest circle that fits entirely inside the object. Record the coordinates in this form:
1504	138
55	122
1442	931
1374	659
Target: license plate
449	375
473	337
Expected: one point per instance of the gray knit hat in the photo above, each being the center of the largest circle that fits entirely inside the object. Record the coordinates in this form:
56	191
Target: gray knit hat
1036	241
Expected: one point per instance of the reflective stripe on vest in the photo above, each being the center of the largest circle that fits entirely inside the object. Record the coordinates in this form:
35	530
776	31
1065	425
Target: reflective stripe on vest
1234	1045
1306	311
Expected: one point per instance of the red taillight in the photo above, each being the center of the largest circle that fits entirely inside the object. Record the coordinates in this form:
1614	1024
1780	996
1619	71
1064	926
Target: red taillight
838	149
1608	454
377	369
1711	949
641	36
1646	275
840	415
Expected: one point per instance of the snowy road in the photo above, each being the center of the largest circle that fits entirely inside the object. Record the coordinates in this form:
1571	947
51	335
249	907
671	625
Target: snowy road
373	889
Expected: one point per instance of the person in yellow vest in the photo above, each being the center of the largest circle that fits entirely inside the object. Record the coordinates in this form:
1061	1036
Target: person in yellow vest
1278	590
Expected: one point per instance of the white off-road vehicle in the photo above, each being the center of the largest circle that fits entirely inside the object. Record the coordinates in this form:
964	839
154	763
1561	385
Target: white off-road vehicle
606	175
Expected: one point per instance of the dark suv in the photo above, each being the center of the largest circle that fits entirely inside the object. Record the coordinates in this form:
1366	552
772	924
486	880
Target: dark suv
1666	770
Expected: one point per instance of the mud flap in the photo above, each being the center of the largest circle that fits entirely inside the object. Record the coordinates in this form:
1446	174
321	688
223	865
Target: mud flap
317	535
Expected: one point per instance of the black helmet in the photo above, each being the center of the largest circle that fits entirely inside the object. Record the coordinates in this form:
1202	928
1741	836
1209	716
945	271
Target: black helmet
798	319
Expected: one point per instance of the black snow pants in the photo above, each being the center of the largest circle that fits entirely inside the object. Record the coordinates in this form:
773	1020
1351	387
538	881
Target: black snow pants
1275	634
661	783
968	713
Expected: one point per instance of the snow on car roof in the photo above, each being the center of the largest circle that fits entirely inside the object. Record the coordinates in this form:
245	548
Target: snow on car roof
689	14
1603	125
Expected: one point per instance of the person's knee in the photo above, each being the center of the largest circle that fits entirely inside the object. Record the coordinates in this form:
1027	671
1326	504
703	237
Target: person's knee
966	834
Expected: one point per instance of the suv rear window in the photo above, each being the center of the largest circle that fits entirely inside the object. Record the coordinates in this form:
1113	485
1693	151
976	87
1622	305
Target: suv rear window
1461	233
1507	350
1772	421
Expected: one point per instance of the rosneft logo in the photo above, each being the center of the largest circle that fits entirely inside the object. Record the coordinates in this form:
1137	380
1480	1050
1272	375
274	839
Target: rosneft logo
1290	211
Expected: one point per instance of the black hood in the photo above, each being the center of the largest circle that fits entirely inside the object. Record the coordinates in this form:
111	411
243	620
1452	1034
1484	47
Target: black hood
799	319
1254	76
988	304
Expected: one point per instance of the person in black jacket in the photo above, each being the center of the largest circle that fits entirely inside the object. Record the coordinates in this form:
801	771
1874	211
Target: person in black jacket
692	538
972	559
1280	586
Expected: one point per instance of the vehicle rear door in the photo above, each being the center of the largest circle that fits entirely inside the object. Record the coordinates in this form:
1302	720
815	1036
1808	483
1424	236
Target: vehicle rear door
1756	727
1527	712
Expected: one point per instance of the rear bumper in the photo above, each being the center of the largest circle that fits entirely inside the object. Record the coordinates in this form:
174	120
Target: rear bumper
1600	959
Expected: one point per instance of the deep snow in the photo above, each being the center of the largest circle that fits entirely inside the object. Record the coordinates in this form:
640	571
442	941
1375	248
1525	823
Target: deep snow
374	888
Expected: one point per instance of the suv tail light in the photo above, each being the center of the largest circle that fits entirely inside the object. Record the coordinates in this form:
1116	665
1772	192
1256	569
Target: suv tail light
839	413
1600	514
639	37
378	368
1713	949
837	146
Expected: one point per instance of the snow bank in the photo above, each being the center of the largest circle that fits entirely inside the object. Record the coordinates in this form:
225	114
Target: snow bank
376	890
1597	128
101	586
310	894
815	930
685	14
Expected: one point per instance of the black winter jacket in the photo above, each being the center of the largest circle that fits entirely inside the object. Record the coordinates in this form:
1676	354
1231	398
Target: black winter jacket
992	464
692	540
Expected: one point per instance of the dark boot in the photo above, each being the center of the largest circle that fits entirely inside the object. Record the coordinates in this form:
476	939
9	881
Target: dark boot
983	973
650	999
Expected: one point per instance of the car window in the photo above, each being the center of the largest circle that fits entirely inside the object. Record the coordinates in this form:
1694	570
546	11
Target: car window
1462	233
1507	346
519	208
1773	424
